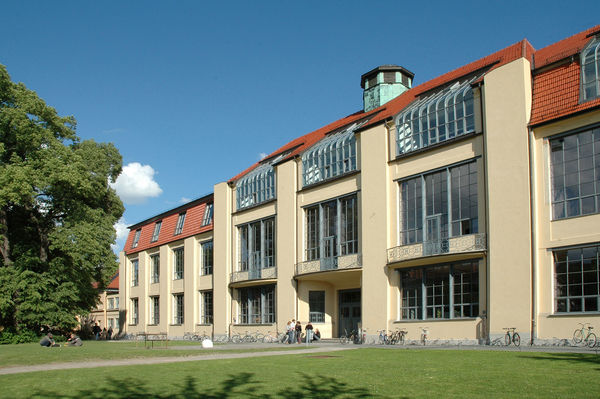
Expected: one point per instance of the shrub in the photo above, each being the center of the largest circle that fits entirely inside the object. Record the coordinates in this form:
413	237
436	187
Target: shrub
23	337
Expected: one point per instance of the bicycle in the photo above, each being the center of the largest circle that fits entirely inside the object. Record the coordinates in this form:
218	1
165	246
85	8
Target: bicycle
424	333
383	338
354	337
512	336
587	337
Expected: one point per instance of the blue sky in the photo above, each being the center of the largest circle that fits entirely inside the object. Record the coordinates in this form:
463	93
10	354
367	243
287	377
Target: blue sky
192	92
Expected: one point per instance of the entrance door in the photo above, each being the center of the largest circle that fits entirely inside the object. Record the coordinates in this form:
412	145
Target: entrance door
349	302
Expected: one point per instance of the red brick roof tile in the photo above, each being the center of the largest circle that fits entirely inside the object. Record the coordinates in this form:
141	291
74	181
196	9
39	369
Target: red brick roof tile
556	89
194	214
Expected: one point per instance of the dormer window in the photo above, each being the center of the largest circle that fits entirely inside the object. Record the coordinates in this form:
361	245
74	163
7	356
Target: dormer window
156	231
180	221
590	70
208	215
436	118
136	238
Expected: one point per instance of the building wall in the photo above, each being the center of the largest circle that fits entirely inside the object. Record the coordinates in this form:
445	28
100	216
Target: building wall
561	233
507	109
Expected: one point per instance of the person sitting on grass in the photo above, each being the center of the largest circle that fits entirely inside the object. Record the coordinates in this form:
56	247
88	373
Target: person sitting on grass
48	341
74	340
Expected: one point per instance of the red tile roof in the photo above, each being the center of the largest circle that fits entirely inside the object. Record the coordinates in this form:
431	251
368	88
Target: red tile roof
556	88
194	213
499	58
114	283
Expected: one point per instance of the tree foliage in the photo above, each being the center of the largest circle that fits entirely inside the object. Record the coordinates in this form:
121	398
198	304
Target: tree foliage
57	213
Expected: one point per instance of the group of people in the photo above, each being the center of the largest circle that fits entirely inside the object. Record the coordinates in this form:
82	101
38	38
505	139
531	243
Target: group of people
294	332
102	333
48	341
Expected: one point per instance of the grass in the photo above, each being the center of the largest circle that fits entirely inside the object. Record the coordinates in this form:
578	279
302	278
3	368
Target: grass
359	373
31	354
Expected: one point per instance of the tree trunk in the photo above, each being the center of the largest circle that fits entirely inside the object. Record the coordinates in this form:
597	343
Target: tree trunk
4	242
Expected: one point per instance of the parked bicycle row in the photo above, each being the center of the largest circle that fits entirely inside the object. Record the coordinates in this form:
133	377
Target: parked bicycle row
582	336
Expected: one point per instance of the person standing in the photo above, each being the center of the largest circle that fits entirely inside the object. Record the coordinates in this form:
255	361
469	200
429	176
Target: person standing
290	332
293	327
110	332
96	330
309	332
298	329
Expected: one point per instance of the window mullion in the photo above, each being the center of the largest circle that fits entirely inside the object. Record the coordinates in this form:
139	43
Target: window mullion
423	296
451	293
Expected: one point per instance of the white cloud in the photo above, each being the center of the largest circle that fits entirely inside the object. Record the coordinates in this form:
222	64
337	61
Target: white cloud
184	200
122	232
262	155
136	183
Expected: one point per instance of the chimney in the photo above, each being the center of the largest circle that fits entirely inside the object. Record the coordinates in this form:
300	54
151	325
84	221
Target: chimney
383	84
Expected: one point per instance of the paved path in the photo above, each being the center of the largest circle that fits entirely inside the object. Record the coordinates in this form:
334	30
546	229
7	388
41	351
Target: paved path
179	359
317	348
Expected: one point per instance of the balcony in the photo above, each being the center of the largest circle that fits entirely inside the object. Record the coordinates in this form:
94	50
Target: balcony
327	264
455	245
254	274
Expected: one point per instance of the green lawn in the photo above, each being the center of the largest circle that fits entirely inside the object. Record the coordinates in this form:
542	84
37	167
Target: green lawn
360	373
29	354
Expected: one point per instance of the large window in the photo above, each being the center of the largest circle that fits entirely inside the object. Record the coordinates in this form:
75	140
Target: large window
438	205
207	258
135	272
440	292
178	309
180	222
436	118
134	319
576	272
156	231
333	156
178	263
206	307
316	305
154	310
332	228
155	271
575	169
256	187
590	70
257	245
257	305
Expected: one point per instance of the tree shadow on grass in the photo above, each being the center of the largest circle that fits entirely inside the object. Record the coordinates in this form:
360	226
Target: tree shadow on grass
591	358
242	385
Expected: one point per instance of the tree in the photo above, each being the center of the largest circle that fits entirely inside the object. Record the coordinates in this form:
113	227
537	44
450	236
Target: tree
57	213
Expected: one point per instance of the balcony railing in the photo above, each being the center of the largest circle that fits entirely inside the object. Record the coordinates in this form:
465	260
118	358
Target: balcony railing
326	264
454	245
254	274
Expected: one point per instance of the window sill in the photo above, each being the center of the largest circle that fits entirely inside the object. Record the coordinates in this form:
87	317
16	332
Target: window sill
204	324
254	324
253	206
573	314
152	325
328	180
436	320
574	217
176	325
132	324
436	145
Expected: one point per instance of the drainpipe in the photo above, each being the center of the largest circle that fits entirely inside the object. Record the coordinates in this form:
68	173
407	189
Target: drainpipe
532	199
486	316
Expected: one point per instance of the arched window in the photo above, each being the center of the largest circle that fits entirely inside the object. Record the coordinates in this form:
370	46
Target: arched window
333	156
590	70
436	118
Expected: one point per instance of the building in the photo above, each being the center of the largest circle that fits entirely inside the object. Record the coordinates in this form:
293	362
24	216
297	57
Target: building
160	292
106	313
464	205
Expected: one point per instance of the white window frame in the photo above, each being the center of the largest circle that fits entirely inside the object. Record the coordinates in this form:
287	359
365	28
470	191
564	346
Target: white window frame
178	309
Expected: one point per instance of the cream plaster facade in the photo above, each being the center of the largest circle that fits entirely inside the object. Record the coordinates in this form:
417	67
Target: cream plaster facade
509	246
